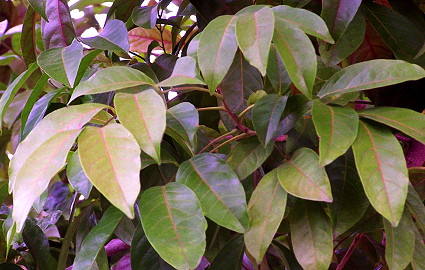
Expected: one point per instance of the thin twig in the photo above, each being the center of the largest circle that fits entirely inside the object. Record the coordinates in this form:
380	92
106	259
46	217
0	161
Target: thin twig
237	137
219	108
220	138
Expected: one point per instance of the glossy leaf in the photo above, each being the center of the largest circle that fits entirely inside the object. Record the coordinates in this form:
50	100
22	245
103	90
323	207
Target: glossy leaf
174	224
305	20
248	155
303	176
77	177
110	158
266	115
336	128
217	48
230	256
338	14
96	239
370	74
144	115
40	7
111	79
254	32
382	169
400	242
298	55
36	170
408	121
62	64
184	72
145	16
58	31
266	209
183	119
12	89
113	37
276	72
311	235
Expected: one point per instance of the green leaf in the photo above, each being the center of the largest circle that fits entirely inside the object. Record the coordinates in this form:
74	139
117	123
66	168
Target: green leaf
206	174
184	72
298	55
76	175
400	242
110	79
145	16
217	48
336	128
62	64
183	119
304	177
40	7
230	256
28	40
254	33
174	224
96	239
38	167
266	209
382	169
110	158
12	89
266	115
276	72
144	115
418	262
311	235
305	20
349	201
370	74
416	207
248	155
408	121
114	36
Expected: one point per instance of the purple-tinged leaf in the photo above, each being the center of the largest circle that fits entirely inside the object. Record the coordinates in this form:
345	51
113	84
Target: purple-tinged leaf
113	37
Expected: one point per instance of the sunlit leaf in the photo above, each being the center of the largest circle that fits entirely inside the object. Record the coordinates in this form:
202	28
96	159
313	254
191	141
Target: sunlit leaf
140	39
184	72
184	120
113	37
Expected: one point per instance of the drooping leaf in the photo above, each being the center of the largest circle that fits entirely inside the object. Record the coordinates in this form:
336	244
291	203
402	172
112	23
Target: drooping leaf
266	115
400	242
305	20
349	201
183	119
77	177
408	121
145	16
336	128
370	74
217	48
382	169
113	37
254	32
174	224
12	89
184	72
40	7
110	157
141	38
265	210
311	235
276	72
96	239
230	256
298	55
36	170
304	177
144	115
28	36
110	79
62	64
248	155
206	174
58	31
338	14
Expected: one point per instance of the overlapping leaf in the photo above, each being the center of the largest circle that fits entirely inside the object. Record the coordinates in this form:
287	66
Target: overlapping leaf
184	72
218	188
76	175
183	119
145	16
276	72
113	37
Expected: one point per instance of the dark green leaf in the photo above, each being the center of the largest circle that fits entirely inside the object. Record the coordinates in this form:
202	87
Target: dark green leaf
113	37
230	256
40	7
76	176
121	9
416	207
28	37
276	72
418	262
145	16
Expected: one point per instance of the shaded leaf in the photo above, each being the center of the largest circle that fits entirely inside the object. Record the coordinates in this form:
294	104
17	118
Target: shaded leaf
113	37
418	262
206	174
145	16
15	108
248	155
303	176
216	50
382	169
184	72
311	235
416	207
183	119
110	79
40	7
176	227
230	256
28	36
144	115
77	177
266	209
110	158
121	9
408	121
276	72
